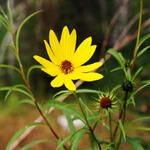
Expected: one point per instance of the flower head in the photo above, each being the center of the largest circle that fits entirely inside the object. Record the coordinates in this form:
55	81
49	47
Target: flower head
107	101
65	62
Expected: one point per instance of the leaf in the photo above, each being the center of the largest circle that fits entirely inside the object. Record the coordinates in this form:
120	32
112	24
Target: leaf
143	51
76	138
79	91
26	147
20	27
143	39
134	144
18	133
10	67
65	107
3	13
63	141
10	14
3	22
133	94
136	120
31	68
138	128
122	129
116	69
28	101
4	19
70	123
117	56
137	73
16	90
7	94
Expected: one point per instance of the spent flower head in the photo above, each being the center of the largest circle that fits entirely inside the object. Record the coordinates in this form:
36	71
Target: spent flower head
107	101
65	62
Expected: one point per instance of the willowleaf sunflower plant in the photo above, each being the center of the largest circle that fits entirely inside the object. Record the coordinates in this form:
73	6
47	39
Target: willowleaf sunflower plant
67	63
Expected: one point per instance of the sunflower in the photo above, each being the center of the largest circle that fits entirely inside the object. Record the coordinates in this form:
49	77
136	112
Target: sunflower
65	62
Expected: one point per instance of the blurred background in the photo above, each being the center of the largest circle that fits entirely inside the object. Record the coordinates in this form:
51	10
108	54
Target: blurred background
112	24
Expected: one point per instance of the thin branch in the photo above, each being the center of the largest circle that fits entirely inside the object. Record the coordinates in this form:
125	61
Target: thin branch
114	19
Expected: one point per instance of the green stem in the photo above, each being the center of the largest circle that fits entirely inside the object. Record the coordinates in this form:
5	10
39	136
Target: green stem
111	139
138	35
90	128
123	115
34	100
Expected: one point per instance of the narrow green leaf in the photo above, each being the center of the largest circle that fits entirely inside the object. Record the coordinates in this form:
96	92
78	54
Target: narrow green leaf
31	68
116	69
10	67
143	51
22	86
7	94
3	23
10	13
117	56
62	142
79	91
70	123
77	138
16	90
26	147
143	39
136	120
4	20
137	73
122	129
65	107
138	128
134	144
20	27
28	101
18	133
3	13
133	94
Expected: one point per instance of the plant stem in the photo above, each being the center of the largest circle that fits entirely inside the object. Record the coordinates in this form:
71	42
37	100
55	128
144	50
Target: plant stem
90	128
122	116
34	100
111	139
138	35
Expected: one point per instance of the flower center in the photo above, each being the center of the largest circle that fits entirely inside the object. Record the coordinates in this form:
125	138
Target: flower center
66	67
105	102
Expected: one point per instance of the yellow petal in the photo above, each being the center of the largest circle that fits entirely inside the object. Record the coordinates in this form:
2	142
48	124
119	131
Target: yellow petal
46	63
51	71
69	84
55	45
84	52
90	67
58	81
50	53
90	76
68	42
74	75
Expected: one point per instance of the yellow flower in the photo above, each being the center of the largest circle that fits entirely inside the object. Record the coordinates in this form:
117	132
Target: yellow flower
66	63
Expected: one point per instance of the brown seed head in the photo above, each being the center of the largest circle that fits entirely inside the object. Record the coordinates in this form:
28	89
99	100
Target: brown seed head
66	67
105	102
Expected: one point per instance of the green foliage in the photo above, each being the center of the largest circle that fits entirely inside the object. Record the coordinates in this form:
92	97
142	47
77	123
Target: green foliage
18	133
20	27
26	147
134	144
